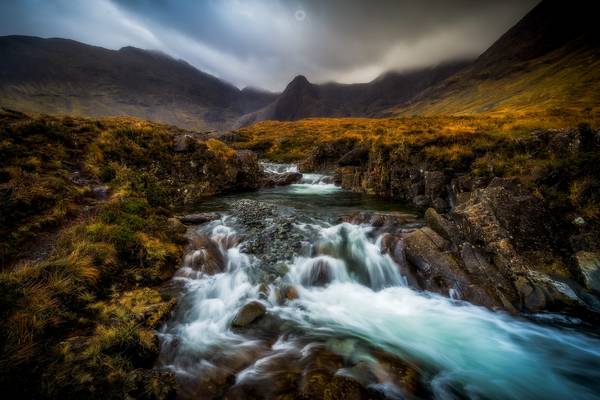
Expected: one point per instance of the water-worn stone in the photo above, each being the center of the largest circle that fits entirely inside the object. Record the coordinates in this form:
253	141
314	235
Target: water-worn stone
249	313
318	275
199	218
282	179
205	256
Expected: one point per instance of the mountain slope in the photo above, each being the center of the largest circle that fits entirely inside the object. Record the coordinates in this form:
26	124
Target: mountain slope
62	76
549	60
303	99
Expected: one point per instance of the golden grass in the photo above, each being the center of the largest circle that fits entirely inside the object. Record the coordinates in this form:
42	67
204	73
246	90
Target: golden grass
293	140
560	80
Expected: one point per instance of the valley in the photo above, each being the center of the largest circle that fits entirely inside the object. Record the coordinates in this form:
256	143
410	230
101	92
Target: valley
433	233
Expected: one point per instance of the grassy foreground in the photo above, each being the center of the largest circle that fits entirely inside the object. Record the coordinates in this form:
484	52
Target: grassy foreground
87	238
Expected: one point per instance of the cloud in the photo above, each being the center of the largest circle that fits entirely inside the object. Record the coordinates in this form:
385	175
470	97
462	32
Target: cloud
264	43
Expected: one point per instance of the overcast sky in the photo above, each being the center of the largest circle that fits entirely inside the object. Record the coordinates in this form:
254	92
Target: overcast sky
265	43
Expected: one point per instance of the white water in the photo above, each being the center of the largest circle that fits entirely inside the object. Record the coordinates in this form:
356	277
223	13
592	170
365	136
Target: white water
274	168
350	289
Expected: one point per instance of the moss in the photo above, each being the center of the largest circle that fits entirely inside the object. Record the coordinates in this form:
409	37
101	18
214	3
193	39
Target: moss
80	323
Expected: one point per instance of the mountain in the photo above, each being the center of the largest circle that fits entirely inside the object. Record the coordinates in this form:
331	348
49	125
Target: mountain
62	76
302	99
549	60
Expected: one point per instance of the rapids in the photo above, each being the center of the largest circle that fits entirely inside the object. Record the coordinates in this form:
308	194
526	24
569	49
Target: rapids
350	302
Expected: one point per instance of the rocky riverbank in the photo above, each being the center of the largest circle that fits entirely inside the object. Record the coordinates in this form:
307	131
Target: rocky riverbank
515	227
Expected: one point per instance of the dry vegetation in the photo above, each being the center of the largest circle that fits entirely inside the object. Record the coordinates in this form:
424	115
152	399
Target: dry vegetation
485	145
293	140
78	319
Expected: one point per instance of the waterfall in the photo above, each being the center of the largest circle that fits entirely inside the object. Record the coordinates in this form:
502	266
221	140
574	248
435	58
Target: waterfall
347	295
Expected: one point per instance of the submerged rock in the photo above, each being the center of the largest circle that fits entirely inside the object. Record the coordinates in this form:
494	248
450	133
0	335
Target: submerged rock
205	256
249	313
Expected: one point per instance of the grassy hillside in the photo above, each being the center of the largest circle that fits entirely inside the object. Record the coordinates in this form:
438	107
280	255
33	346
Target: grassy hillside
559	81
60	76
550	60
87	236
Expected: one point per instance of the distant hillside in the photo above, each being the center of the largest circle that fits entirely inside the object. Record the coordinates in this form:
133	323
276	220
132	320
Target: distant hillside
62	76
302	99
548	60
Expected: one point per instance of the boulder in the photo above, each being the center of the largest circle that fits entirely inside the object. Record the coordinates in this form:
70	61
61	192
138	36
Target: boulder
588	267
249	172
429	253
438	269
319	274
199	218
441	225
282	179
249	313
205	256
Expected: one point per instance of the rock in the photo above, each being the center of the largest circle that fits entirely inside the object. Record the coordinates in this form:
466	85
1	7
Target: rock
175	225
505	211
392	219
249	172
100	192
588	265
325	155
354	158
282	179
199	218
249	313
205	256
420	201
435	184
439	270
579	221
428	252
270	232
439	204
319	274
441	225
285	293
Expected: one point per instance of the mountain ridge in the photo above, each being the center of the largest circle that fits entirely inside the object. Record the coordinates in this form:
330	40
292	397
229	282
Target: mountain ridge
63	76
549	60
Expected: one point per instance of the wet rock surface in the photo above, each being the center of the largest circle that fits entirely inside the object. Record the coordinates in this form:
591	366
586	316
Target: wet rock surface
281	179
522	251
199	218
249	313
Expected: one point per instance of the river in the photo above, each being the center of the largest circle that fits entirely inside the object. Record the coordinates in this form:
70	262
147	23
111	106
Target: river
342	321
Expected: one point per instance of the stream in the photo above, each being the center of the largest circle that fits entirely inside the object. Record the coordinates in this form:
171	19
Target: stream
341	321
